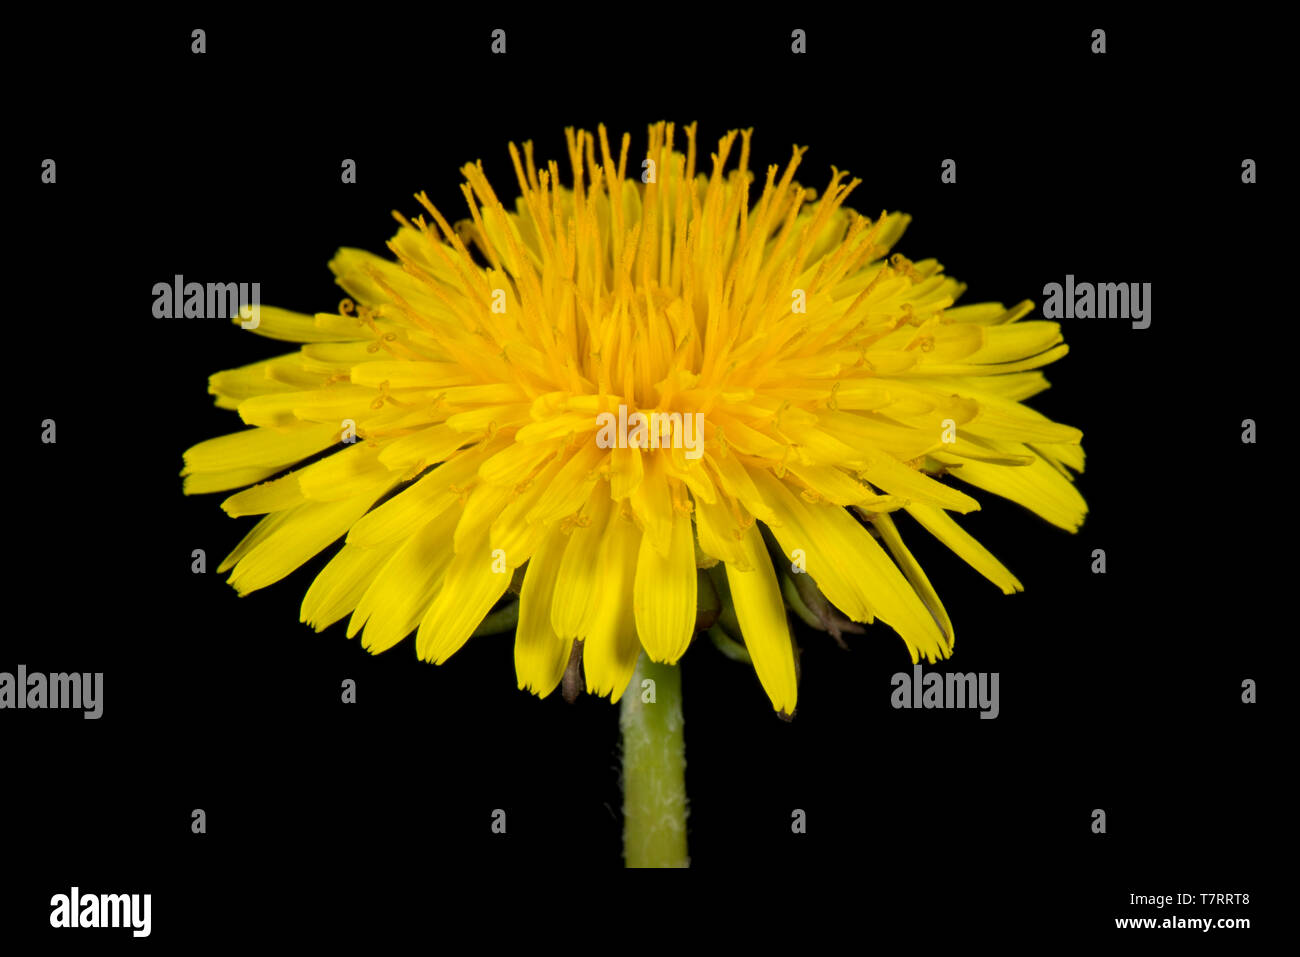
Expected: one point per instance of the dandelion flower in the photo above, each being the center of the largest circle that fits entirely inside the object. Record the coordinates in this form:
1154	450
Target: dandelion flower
836	386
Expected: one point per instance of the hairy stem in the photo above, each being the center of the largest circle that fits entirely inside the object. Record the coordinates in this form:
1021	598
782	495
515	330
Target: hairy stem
654	768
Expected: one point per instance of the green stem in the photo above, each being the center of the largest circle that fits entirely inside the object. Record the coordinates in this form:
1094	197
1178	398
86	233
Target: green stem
654	768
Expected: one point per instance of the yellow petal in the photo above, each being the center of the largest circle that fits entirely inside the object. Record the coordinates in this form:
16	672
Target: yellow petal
838	487
1007	343
410	375
429	445
737	482
664	597
254	448
898	480
540	654
760	610
469	590
511	531
480	511
626	470
581	578
652	504
851	568
717	529
343	474
429	496
573	485
256	535
202	483
405	586
273	496
341	583
611	648
1013	422
333	404
516	462
914	573
233	386
941	525
488	418
274	323
306	530
1039	487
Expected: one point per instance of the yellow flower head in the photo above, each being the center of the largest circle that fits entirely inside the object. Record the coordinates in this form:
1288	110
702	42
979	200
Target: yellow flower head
615	385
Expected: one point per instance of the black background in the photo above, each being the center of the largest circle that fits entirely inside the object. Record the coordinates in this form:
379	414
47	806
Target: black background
1119	691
